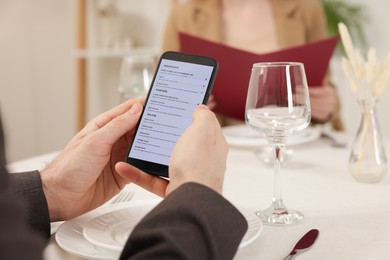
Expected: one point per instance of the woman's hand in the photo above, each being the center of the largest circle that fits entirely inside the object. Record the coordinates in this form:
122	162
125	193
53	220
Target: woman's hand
323	102
211	103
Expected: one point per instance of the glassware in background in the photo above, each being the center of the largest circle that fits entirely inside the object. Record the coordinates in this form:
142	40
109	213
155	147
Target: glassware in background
277	105
368	162
136	75
369	78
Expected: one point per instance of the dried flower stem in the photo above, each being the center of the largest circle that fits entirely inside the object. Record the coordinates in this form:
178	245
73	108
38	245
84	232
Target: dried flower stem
374	73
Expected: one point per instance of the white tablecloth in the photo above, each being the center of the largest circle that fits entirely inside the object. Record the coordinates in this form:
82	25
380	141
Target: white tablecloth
353	218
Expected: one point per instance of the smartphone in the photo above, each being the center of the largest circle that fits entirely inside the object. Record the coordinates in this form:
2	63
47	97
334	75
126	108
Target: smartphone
181	82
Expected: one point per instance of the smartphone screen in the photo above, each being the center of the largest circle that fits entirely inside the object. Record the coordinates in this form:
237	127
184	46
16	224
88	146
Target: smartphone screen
180	84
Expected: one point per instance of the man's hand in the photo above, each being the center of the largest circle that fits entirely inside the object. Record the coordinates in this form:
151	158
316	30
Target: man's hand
199	156
83	176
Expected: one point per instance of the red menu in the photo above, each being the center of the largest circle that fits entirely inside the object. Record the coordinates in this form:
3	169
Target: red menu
231	85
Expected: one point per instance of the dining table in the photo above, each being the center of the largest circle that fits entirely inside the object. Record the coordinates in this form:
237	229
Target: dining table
353	218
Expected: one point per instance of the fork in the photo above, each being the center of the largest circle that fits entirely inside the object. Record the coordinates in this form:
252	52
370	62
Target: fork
334	141
123	196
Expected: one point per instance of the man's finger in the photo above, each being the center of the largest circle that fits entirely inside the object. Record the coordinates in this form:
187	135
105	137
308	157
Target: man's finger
147	181
120	125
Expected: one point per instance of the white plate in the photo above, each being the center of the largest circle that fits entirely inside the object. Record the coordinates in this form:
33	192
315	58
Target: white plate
244	136
70	237
105	241
111	230
255	226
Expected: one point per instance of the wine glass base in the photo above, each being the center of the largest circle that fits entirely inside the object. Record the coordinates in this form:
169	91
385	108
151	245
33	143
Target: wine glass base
280	217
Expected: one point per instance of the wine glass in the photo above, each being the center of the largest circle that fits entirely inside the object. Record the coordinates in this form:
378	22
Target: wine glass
277	105
136	74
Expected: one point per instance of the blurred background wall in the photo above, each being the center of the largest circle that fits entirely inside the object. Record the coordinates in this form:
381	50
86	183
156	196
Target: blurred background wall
36	75
37	66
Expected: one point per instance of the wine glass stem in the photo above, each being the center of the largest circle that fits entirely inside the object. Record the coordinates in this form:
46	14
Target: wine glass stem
277	200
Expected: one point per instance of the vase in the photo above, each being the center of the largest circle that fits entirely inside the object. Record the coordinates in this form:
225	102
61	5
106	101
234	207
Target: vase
367	161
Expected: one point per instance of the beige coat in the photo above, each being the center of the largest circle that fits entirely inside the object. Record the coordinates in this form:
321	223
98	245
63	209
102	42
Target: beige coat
296	22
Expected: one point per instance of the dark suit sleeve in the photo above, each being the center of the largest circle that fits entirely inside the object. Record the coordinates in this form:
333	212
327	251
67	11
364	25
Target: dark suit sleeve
194	222
27	187
17	240
2	144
